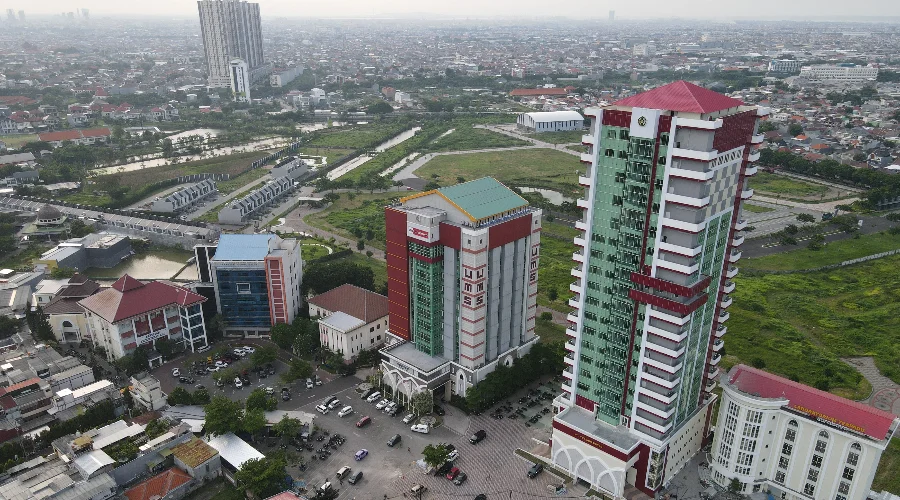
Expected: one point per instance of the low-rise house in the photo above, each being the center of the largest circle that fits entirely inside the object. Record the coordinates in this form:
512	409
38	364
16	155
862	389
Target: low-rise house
351	319
66	316
146	391
184	198
84	137
172	484
234	452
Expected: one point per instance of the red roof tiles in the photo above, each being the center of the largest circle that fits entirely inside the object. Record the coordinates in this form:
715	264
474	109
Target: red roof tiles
353	300
129	297
71	135
159	486
819	404
681	96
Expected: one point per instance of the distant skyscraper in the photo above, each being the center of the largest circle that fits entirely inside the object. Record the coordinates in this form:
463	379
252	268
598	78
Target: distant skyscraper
85	13
240	80
231	29
10	15
612	16
666	180
22	16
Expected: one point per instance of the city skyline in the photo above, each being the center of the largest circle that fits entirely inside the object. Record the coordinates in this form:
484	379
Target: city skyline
469	9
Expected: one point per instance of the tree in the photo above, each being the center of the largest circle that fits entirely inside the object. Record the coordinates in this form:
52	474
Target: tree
62	273
552	294
128	398
215	328
795	129
259	400
805	218
299	369
379	108
421	402
766	126
263	355
201	396
180	396
758	363
283	335
735	486
791	229
167	148
164	347
287	428
321	277
262	477
435	455
360	245
222	416
8	327
254	421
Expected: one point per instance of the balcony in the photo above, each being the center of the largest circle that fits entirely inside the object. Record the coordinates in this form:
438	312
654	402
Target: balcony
750	170
738	240
585	181
754	156
570	346
712	372
568	373
579	242
734	256
715	359
695	155
658	393
654	422
679	268
587	139
587	158
578	272
757	139
696	175
661	377
655	407
578	256
700	124
691	227
566	385
569	359
680	250
729	287
731	272
688	200
575	287
672	336
573	302
710	385
718	344
720	331
581	225
572	318
741	224
582	203
726	301
664	346
747	194
669	318
662	361
723	316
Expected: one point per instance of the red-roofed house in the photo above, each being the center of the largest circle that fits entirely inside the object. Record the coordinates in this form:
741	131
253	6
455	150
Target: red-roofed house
85	136
171	484
353	319
133	313
781	436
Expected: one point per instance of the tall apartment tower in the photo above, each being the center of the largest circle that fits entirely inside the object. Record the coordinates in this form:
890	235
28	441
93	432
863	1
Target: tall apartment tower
230	29
462	280
240	80
667	173
612	16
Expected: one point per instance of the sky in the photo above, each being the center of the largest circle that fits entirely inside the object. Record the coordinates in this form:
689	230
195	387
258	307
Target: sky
584	9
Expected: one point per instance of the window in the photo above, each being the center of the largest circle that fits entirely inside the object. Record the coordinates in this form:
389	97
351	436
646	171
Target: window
243	287
809	489
852	458
820	446
790	435
817	461
813	475
609	153
844	487
779	477
783	463
848	473
786	449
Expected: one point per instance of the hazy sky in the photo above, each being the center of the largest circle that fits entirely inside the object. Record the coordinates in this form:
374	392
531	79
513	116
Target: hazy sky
832	9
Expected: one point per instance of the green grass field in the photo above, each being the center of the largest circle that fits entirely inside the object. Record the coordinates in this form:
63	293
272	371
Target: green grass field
555	271
800	324
782	185
466	138
17	141
226	187
549	332
231	164
756	209
313	251
887	476
566	137
358	136
364	213
528	167
832	253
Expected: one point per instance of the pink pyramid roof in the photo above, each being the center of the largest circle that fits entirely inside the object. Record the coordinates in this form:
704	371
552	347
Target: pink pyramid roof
681	96
126	283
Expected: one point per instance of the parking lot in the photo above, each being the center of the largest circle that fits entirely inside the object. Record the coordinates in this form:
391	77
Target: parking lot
492	466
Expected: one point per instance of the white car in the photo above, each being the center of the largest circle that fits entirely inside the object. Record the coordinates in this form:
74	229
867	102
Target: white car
176	372
409	418
239	352
374	397
423	428
309	383
221	364
334	404
453	455
237	383
269	391
345	411
390	406
381	404
322	409
248	349
318	381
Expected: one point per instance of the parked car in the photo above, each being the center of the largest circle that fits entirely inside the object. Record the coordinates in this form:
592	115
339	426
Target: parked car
390	407
355	477
237	383
318	381
309	383
454	454
285	394
325	487
364	421
221	364
368	393
334	404
373	397
381	404
440	411
345	411
239	352
409	418
248	349
270	368
453	473
176	372
327	401
185	380
478	437
322	409
460	479
343	472
270	391
423	428
535	470
417	489
444	468
394	440
361	454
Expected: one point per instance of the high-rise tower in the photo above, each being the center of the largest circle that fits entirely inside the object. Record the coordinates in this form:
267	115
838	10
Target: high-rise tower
667	173
231	29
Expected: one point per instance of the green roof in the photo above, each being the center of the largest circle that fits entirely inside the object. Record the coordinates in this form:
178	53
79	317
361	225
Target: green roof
483	198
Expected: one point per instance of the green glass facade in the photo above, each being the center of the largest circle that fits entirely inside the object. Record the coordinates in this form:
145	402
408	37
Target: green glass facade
427	298
621	199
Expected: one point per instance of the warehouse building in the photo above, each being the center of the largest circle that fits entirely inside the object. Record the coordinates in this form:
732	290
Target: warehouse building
550	121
